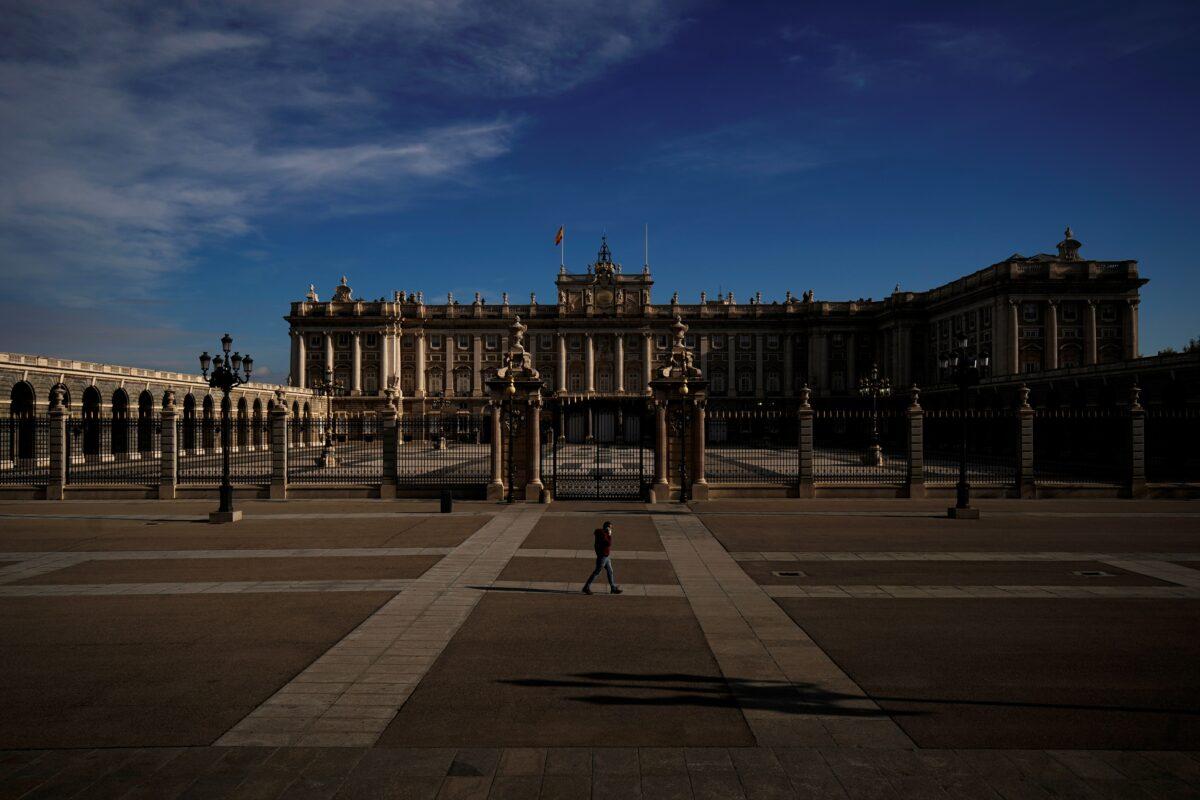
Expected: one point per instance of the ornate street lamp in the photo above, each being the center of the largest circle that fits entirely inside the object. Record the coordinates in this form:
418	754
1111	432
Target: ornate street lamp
328	388
874	387
228	371
965	370
510	422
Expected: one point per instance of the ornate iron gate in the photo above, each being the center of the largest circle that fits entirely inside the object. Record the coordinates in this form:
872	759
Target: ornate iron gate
614	463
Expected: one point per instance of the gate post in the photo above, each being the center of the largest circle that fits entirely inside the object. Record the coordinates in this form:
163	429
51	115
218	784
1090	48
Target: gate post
57	444
916	444
804	418
661	491
700	484
495	488
169	443
391	436
1137	443
278	416
535	492
1025	413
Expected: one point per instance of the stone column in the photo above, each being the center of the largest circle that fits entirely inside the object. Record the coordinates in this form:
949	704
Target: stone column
619	346
589	363
420	363
1137	444
1025	414
391	440
1089	334
57	445
661	492
169	446
356	363
760	391
562	363
328	352
647	361
448	372
278	416
805	442
1014	337
916	444
789	367
300	375
385	356
477	363
1051	334
699	426
534	487
1131	329
495	489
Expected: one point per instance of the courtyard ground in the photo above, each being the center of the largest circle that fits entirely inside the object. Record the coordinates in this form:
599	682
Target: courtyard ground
762	649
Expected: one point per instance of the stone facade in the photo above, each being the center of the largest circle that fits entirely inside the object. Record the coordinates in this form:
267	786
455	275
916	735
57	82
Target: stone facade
603	336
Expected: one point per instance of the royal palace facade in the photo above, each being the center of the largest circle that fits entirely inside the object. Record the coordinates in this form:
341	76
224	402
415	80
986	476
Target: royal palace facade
603	334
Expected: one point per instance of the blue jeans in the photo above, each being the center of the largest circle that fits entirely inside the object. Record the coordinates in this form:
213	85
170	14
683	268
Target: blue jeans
602	563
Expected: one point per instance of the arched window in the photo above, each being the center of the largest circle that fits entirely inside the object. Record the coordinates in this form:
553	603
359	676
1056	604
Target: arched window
189	423
91	421
462	382
718	382
145	423
207	425
745	383
243	424
22	437
258	436
119	433
370	381
773	382
435	381
633	379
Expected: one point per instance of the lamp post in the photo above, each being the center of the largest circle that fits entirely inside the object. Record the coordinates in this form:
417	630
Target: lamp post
328	388
228	371
965	370
874	387
510	422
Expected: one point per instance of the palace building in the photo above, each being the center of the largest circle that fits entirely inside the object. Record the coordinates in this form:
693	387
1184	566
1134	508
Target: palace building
604	333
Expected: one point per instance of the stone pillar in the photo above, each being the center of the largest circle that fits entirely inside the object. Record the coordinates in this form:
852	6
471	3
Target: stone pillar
699	427
356	363
1131	329
534	488
619	346
589	363
300	376
1051	335
328	352
916	444
1089	334
760	390
169	445
661	491
420	364
1014	337
391	440
278	416
57	445
1025	413
448	372
789	357
495	489
804	416
477	363
385	355
647	361
562	363
1137	444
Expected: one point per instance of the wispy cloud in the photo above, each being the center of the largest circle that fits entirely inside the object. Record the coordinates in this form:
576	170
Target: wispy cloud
135	133
749	149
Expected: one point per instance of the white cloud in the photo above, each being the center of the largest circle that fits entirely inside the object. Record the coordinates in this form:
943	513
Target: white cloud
135	133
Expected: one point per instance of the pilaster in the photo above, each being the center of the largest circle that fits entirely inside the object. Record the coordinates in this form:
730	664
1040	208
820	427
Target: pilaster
916	444
1025	484
169	447
58	446
804	419
278	417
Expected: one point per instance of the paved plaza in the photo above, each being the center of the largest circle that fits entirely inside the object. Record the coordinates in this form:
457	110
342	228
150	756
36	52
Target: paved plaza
762	649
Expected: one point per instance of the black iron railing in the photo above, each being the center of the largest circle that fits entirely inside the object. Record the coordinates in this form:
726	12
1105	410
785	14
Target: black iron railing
443	450
1172	455
844	447
25	451
114	450
349	450
249	464
1081	446
992	443
752	446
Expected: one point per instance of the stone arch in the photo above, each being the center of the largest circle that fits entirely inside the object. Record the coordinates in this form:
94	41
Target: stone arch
145	422
242	429
258	431
22	437
90	421
207	424
66	395
119	432
189	422
21	399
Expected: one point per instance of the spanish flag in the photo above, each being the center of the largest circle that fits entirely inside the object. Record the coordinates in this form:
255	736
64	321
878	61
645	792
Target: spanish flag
558	236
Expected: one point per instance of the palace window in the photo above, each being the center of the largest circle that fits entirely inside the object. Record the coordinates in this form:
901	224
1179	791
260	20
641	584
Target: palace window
773	382
491	341
1070	312
743	342
773	342
1029	312
435	342
1108	313
718	382
545	342
464	342
343	340
372	340
315	340
745	383
690	340
576	342
718	343
1031	333
462	382
575	382
985	317
662	341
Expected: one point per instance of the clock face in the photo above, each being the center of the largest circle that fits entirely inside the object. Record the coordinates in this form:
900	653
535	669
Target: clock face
604	297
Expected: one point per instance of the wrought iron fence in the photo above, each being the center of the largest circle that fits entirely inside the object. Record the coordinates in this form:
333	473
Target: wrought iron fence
844	453
1171	452
1081	446
200	451
108	450
25	458
341	450
436	450
752	446
992	443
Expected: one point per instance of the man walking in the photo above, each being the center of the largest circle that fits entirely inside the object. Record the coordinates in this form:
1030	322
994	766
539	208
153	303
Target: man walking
603	547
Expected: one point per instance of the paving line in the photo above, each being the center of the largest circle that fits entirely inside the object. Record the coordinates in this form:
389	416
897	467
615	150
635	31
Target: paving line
1159	568
590	555
917	555
887	592
204	587
349	695
790	692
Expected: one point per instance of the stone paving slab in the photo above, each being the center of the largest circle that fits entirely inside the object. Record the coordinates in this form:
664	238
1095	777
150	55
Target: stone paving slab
347	697
945	573
390	585
576	571
589	554
1003	592
849	555
560	531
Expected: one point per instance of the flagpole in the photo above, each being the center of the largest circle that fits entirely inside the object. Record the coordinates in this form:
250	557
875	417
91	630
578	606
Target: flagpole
562	249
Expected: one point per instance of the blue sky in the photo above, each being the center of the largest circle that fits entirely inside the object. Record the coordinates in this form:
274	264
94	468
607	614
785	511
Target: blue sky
173	171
